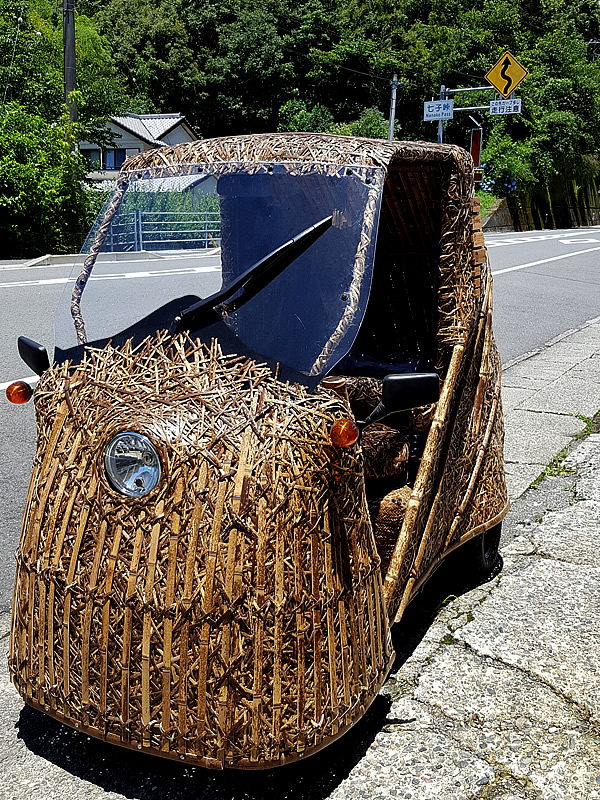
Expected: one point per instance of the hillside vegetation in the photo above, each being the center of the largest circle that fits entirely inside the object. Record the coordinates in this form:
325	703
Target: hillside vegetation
249	66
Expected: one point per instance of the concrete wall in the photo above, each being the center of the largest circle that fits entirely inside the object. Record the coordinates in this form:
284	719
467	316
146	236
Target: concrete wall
499	218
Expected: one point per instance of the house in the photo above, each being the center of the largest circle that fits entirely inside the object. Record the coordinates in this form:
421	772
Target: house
134	133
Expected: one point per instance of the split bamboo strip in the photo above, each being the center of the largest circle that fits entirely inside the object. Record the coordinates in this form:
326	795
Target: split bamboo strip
393	587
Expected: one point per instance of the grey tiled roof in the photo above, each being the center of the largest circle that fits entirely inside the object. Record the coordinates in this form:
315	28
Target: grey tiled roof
149	127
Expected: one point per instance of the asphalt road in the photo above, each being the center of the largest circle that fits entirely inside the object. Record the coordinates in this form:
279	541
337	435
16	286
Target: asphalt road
545	283
29	297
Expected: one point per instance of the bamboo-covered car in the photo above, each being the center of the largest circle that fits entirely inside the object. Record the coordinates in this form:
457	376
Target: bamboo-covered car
211	556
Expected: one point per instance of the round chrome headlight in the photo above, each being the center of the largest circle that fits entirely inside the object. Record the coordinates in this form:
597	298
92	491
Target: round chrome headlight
132	464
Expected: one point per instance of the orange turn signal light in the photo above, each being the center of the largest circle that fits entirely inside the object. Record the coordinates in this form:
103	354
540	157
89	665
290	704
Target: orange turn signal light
19	392
344	432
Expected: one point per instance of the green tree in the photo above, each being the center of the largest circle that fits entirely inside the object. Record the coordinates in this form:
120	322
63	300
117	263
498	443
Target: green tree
295	116
43	206
371	124
151	49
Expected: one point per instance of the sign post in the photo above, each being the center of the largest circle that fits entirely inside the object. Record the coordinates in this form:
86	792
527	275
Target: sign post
506	74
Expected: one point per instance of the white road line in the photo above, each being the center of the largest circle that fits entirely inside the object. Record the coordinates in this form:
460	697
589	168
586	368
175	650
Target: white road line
116	276
538	238
544	261
47	282
578	241
31	380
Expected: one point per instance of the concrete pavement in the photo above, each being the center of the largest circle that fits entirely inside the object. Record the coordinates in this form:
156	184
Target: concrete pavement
549	397
495	696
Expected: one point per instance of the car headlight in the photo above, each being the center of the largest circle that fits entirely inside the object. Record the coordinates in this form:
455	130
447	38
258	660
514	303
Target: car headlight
132	464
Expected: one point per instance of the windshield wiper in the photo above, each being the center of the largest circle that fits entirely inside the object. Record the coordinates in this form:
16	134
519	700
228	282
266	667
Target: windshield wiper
250	282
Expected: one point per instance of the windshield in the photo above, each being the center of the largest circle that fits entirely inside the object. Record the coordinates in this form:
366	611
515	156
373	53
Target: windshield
299	237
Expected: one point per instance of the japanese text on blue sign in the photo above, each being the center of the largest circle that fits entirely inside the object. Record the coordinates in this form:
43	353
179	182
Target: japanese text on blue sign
438	109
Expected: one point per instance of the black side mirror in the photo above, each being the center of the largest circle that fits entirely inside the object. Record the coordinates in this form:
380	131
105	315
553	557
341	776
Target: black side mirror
405	391
33	354
401	392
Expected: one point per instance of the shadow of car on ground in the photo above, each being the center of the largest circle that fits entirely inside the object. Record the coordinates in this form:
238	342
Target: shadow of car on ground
144	777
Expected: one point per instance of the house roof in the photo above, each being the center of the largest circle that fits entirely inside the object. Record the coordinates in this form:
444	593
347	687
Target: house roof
149	127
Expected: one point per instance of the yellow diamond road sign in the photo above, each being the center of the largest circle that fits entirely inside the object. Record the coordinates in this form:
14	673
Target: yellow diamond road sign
506	74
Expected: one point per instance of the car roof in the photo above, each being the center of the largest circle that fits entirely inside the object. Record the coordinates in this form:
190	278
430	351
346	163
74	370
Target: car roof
315	147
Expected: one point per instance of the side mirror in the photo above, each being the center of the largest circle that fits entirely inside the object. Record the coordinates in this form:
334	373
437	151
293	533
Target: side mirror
33	354
405	391
401	392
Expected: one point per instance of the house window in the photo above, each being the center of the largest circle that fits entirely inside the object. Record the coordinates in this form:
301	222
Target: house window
113	159
91	158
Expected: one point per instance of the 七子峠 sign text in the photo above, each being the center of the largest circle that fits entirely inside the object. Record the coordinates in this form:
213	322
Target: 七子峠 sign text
438	109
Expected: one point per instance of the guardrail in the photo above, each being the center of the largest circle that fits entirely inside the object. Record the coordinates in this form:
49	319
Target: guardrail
164	230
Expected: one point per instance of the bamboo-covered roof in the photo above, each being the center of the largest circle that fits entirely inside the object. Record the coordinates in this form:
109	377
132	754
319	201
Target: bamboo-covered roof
316	147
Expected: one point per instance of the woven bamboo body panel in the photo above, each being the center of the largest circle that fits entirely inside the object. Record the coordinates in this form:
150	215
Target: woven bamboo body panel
461	488
234	616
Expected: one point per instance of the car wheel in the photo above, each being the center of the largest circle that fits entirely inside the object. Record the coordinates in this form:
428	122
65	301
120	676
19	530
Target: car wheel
479	556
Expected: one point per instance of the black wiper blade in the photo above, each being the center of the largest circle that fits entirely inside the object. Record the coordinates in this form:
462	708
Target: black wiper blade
250	282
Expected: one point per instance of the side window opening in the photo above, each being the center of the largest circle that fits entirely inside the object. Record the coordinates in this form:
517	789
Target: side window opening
401	318
398	333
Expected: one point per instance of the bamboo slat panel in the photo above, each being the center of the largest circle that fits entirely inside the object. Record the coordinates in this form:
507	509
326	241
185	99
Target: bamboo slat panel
460	488
232	617
311	147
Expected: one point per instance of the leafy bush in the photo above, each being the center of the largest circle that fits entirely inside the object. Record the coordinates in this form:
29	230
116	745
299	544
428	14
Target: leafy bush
507	165
371	124
43	205
295	116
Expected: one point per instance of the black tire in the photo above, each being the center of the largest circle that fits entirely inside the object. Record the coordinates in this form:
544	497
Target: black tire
480	555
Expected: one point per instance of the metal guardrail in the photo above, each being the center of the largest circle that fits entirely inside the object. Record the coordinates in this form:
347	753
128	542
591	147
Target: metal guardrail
164	230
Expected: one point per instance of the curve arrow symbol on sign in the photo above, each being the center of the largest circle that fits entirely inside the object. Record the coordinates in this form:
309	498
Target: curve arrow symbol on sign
505	65
506	74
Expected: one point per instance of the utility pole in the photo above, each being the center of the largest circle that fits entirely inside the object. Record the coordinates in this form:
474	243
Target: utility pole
440	136
393	108
448	94
69	55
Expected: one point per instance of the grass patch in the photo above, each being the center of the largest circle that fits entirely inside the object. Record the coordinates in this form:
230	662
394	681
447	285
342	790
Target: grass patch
487	201
449	599
556	467
590	424
448	639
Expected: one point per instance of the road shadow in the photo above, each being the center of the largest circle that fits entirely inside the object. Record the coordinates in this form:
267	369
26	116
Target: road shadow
144	777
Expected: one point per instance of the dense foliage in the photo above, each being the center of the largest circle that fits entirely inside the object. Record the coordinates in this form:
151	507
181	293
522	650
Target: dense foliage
242	66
